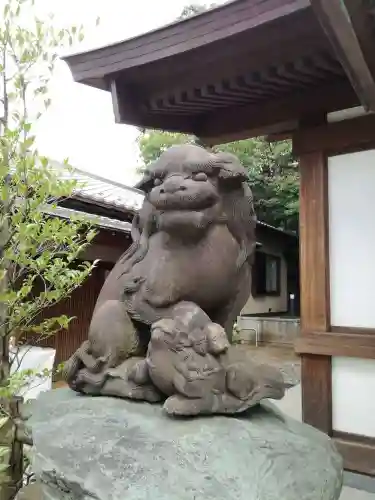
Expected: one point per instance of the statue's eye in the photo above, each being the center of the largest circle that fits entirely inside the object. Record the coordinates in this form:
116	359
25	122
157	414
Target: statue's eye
157	181
200	176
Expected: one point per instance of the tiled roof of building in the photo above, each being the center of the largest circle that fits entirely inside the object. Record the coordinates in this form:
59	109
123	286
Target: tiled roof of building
99	191
98	220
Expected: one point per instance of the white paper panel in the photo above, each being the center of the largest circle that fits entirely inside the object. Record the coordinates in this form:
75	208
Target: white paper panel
353	395
351	191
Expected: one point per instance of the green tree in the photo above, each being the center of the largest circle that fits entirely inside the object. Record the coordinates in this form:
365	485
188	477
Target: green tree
38	253
273	173
273	177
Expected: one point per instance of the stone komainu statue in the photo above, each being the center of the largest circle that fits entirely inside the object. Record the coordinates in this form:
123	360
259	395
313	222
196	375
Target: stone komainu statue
193	244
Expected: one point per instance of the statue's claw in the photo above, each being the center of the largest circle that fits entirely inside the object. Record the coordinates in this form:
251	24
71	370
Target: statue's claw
177	405
139	373
130	380
126	389
85	377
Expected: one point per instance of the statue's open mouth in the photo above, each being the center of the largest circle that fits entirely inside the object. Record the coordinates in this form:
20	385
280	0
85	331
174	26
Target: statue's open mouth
184	203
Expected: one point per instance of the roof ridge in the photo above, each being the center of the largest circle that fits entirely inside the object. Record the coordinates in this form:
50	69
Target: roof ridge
98	190
154	30
90	175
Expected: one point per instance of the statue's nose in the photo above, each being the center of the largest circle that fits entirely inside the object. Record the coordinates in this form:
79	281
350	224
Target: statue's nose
172	185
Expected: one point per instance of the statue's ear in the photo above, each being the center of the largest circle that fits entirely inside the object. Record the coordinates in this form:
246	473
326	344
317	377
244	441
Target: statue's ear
142	220
230	168
146	183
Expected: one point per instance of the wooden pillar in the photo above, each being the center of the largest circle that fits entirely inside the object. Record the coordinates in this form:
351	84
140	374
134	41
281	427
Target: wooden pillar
314	271
324	341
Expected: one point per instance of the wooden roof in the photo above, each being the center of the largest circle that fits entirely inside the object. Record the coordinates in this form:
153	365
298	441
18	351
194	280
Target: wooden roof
245	68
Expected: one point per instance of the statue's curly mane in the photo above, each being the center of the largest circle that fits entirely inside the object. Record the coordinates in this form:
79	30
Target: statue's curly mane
143	227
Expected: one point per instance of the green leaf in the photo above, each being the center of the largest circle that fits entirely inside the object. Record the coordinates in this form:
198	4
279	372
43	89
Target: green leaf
4	467
6	9
3	421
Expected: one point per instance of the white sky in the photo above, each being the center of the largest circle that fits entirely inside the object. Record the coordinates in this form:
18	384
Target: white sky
80	123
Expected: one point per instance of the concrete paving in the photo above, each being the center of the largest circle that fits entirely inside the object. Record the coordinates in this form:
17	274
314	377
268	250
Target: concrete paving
291	405
354	494
282	357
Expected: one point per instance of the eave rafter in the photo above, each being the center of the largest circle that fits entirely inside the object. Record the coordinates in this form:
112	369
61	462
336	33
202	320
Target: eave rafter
348	27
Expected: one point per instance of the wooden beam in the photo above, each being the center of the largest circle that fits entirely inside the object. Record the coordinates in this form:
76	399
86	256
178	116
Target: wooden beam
117	111
358	452
104	253
273	116
352	330
363	24
356	345
107	246
279	136
336	138
335	17
316	376
311	120
248	133
128	108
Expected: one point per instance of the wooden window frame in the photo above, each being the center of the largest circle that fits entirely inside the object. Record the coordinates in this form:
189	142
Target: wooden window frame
278	259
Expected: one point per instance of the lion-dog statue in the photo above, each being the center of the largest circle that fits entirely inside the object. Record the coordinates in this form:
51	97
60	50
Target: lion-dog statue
162	324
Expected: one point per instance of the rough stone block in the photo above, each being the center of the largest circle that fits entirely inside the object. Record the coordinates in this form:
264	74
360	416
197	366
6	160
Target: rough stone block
104	448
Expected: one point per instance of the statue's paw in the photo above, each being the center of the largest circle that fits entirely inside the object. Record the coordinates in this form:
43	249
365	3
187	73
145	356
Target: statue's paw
227	404
269	389
184	407
71	369
218	342
80	366
145	393
86	377
240	382
271	382
87	382
139	373
127	389
252	384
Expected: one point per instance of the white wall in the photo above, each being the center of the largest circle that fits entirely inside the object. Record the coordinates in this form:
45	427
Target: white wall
37	359
353	396
351	191
351	196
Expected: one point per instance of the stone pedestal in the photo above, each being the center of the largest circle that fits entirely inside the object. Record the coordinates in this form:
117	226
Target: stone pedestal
102	448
